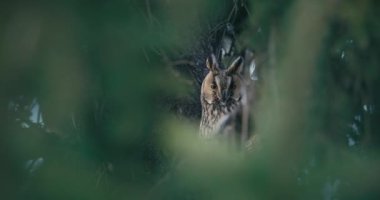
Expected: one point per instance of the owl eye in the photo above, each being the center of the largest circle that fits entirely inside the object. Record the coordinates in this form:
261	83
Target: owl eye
213	86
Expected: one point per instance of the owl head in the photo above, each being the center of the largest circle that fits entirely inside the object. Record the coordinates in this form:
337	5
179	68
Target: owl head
222	86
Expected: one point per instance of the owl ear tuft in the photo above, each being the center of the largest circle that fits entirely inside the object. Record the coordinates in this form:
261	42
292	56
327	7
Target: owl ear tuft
236	67
212	64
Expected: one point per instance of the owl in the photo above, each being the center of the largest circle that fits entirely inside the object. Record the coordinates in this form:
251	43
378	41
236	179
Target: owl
223	95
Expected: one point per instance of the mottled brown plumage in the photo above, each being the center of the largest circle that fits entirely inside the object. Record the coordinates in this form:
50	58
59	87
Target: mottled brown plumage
223	97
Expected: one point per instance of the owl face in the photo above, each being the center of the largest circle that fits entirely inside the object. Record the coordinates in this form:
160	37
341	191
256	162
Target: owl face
222	86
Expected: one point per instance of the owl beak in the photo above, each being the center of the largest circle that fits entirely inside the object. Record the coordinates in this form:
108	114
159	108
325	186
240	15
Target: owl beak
224	97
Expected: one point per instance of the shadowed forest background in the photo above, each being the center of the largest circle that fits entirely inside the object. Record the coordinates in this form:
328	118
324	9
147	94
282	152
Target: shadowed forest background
97	100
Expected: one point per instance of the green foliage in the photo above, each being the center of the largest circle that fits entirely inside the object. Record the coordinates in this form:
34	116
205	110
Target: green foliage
85	90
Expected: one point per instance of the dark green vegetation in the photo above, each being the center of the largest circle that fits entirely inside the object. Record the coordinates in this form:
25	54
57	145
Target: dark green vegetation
87	89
